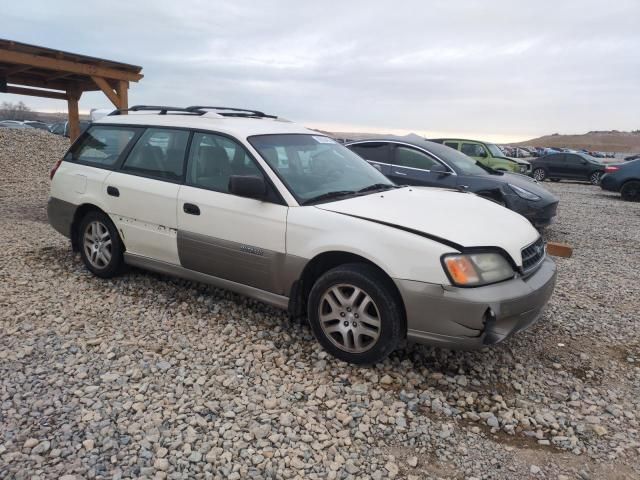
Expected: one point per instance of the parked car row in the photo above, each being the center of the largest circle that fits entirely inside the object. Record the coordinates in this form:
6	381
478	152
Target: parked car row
269	209
57	128
414	161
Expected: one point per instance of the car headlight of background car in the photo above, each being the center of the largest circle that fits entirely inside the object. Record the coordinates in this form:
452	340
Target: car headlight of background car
475	269
522	193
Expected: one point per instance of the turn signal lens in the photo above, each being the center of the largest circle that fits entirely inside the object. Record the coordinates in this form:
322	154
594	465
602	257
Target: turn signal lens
462	270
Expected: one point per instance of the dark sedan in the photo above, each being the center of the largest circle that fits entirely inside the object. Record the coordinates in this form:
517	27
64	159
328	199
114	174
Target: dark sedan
413	161
623	178
567	166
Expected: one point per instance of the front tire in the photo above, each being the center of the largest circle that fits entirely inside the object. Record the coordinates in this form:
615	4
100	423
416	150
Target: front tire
100	245
630	191
356	314
594	178
539	174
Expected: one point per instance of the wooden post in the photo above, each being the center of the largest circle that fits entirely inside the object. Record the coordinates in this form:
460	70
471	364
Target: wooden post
73	95
122	89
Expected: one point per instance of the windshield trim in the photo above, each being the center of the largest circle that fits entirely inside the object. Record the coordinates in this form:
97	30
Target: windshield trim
300	201
357	142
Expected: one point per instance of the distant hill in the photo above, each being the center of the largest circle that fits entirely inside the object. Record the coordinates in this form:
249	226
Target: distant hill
601	141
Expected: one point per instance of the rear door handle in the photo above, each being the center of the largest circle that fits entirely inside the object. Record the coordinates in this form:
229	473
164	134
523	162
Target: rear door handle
191	209
113	191
399	173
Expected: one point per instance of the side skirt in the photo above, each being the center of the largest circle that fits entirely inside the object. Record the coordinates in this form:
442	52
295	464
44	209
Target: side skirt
146	263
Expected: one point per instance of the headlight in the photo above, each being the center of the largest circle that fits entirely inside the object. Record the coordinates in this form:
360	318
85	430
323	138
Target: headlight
526	194
475	269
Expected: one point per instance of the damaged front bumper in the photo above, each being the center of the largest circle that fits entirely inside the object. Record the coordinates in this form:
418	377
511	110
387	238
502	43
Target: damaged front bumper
468	318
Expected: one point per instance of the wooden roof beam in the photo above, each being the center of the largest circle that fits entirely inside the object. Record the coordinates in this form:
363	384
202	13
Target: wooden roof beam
33	92
14	70
108	91
59	65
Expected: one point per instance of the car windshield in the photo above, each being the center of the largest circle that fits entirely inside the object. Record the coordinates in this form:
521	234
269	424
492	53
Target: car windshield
460	162
495	151
315	167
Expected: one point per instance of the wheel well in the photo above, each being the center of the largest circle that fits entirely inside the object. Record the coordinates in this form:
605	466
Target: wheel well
321	264
79	214
495	195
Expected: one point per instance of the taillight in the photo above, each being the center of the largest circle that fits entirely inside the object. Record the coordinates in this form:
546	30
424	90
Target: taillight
611	169
53	170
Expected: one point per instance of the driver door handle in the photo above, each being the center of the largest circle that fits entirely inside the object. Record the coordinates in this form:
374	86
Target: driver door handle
396	172
191	209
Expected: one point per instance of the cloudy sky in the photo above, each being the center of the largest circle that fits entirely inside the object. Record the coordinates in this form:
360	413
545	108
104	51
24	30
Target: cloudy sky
495	69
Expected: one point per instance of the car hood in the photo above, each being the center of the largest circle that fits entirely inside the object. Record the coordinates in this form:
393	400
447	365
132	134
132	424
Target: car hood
457	218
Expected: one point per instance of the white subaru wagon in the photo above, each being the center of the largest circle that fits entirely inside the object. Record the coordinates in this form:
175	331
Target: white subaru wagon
269	209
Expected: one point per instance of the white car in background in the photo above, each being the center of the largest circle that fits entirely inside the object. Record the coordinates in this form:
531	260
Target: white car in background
264	207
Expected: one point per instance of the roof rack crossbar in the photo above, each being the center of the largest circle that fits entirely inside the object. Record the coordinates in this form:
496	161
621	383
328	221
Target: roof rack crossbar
161	109
232	111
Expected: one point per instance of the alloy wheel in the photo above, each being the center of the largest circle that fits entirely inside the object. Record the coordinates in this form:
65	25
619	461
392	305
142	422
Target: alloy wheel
349	318
539	174
97	244
594	178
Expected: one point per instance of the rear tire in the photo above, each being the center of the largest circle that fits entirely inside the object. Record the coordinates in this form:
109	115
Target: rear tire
539	174
594	178
100	245
630	191
356	314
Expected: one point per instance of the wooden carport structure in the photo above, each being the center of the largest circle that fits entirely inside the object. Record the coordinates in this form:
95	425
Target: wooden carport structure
45	72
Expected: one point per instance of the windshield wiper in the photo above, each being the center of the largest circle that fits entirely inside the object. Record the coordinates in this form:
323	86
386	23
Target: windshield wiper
377	186
328	196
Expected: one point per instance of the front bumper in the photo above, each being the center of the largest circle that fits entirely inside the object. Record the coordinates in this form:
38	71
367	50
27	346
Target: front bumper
539	213
469	318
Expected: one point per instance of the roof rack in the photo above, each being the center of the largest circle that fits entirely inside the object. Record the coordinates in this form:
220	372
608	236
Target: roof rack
231	111
195	110
159	108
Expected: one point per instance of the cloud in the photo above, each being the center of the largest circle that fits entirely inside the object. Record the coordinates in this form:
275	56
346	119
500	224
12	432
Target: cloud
492	67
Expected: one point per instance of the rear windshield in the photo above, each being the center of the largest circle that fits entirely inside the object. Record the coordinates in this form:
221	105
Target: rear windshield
460	162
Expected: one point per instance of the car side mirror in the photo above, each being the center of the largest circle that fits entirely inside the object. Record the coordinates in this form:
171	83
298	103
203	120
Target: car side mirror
440	169
249	186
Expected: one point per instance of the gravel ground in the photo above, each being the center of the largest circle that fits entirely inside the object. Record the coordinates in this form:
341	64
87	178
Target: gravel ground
149	376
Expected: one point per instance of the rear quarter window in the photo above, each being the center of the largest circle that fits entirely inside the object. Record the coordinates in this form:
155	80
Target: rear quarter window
101	146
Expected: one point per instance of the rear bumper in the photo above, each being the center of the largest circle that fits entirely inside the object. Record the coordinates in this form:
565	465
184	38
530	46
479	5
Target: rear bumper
469	318
60	214
608	182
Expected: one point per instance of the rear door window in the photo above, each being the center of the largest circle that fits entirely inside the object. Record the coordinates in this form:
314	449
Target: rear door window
373	151
101	146
160	153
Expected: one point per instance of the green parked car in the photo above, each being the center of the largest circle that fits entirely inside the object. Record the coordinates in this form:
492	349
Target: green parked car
488	154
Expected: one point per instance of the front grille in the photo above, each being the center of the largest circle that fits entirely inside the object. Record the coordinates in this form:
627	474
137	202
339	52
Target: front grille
532	255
